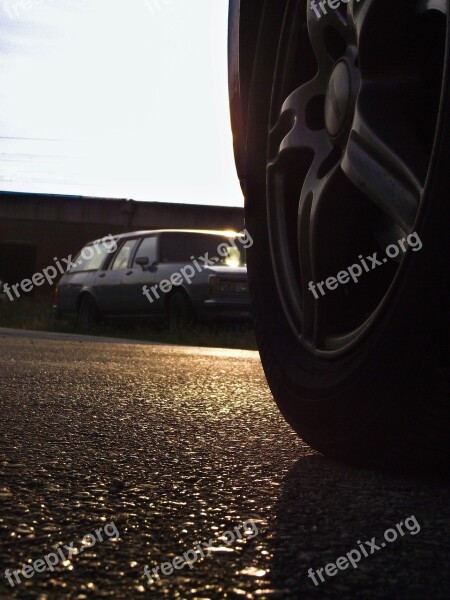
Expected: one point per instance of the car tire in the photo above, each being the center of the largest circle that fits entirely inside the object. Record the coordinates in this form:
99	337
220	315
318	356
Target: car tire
365	383
180	315
88	315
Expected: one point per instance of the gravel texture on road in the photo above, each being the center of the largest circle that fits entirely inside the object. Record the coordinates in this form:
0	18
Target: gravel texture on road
177	446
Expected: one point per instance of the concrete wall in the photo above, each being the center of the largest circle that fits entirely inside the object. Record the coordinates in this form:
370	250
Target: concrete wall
36	228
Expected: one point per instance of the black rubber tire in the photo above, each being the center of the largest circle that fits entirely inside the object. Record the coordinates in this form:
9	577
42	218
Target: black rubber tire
180	315
386	404
88	315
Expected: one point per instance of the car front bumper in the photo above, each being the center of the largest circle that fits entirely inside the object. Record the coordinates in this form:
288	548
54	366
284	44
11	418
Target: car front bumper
225	309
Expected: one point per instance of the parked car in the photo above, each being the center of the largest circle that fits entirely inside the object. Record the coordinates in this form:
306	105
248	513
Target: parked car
178	275
341	126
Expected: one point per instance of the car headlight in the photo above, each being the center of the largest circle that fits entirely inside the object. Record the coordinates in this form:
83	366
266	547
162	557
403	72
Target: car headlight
227	287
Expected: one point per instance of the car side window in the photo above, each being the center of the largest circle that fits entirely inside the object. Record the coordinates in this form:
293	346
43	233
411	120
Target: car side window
147	249
122	257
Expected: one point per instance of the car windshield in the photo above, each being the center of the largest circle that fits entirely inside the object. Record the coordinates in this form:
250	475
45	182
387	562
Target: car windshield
185	247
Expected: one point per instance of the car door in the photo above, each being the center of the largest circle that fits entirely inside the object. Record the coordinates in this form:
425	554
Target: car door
108	286
137	277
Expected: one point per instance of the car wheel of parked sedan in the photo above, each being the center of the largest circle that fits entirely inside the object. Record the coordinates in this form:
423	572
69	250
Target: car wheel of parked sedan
87	313
347	193
180	315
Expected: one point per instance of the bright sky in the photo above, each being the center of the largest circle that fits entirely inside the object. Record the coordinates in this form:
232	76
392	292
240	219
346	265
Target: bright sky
134	92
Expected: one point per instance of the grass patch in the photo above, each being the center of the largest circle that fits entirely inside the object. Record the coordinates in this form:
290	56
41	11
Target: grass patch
37	314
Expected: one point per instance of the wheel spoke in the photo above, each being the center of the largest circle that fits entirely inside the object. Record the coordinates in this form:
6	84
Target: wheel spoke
390	169
285	272
358	13
310	305
292	131
322	29
312	238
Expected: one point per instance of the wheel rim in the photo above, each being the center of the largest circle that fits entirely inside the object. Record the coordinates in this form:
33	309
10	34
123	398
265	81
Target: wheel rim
347	157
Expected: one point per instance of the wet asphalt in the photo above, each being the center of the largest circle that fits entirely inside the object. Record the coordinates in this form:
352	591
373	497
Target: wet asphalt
174	446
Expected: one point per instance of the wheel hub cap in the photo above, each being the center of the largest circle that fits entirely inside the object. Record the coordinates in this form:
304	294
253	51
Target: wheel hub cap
337	100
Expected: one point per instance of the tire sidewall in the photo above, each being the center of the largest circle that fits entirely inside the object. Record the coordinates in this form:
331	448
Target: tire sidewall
179	312
87	314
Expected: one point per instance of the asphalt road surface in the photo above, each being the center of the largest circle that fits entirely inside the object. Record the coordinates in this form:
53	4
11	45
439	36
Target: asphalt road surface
173	448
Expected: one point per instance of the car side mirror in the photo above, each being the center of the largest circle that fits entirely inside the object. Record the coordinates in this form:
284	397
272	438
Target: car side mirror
143	261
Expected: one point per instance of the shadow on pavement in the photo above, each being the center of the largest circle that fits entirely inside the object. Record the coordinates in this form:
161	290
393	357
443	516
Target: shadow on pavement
325	508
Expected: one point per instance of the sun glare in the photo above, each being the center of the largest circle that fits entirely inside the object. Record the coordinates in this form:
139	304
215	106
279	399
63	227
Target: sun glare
134	99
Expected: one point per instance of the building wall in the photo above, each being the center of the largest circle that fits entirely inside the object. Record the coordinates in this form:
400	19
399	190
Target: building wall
37	228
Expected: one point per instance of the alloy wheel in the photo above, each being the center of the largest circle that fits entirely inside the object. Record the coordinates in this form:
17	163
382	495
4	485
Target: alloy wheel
355	106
